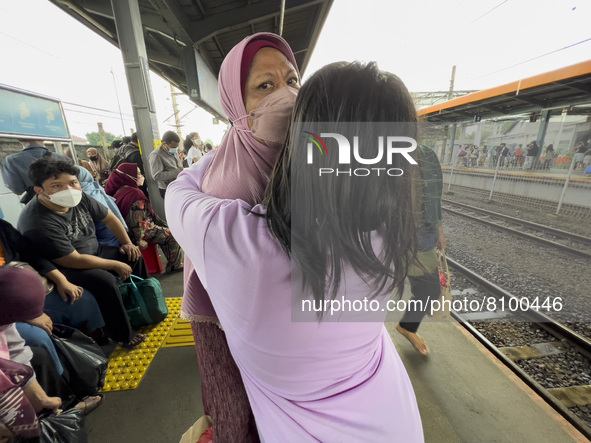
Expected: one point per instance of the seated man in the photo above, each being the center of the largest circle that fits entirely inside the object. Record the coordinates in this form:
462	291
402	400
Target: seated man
59	221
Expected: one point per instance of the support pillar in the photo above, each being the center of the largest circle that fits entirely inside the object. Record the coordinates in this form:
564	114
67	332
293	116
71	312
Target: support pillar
545	117
133	48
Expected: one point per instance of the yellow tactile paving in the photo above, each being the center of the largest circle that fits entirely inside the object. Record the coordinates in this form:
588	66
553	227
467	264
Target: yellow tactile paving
180	335
128	367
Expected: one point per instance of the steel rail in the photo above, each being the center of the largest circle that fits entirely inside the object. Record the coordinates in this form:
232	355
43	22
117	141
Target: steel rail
523	234
577	423
548	229
556	329
547	323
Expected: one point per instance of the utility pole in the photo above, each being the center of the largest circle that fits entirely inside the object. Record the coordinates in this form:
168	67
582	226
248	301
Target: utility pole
118	104
104	141
450	95
175	108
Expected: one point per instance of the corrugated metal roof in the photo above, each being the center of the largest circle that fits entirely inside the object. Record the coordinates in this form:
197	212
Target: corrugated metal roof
212	26
563	87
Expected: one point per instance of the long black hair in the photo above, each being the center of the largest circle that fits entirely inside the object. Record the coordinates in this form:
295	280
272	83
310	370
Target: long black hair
188	143
328	222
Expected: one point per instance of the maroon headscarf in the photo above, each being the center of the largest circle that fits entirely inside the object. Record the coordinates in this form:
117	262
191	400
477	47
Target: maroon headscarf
22	295
122	184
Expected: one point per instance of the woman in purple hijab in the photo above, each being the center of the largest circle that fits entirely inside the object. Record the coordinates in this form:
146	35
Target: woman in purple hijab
259	80
313	374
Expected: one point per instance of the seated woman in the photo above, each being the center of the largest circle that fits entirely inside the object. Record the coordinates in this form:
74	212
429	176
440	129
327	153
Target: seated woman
141	219
94	190
312	374
65	302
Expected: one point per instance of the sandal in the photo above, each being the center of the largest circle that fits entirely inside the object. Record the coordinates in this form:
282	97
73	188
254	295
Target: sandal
135	341
90	403
415	340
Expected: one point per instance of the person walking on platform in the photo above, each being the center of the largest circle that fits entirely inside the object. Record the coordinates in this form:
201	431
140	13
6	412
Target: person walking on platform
15	167
166	162
423	274
310	375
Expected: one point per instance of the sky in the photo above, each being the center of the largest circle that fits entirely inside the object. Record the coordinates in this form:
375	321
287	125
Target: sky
491	42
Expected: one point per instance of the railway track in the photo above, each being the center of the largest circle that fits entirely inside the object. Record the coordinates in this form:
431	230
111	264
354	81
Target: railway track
573	243
549	339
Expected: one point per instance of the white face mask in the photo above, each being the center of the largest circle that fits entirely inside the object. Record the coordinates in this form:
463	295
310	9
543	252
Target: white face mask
67	198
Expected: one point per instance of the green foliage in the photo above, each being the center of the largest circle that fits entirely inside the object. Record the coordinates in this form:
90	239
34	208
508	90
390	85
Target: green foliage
94	138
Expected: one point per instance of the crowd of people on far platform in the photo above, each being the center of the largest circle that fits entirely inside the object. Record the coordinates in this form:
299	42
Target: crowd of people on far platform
516	156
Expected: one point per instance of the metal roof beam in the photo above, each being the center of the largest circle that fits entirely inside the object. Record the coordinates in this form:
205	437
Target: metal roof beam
241	17
575	86
527	100
199	6
173	18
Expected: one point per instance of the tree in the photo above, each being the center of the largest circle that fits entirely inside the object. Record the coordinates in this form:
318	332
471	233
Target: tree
94	138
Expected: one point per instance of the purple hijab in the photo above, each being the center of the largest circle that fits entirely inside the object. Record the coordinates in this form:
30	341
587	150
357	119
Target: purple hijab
241	166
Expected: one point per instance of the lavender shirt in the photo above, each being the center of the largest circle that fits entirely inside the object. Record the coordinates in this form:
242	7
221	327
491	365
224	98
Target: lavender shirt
329	382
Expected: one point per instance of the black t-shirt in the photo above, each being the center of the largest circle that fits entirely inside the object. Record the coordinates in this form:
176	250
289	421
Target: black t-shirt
56	235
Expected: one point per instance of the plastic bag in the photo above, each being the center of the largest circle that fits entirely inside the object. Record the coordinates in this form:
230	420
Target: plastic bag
67	427
199	432
83	358
445	299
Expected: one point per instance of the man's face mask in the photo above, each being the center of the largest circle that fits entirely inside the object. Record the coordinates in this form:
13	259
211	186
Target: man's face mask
68	198
272	116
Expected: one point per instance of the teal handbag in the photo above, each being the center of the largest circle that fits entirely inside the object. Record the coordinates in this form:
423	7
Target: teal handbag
144	301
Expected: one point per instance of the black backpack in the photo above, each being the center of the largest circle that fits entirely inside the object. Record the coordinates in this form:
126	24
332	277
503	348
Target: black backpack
121	157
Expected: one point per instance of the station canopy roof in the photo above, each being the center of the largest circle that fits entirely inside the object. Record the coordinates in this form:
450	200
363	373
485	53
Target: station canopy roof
213	27
568	87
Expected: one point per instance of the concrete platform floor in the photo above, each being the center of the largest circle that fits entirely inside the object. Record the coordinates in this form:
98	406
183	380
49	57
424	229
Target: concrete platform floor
464	394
